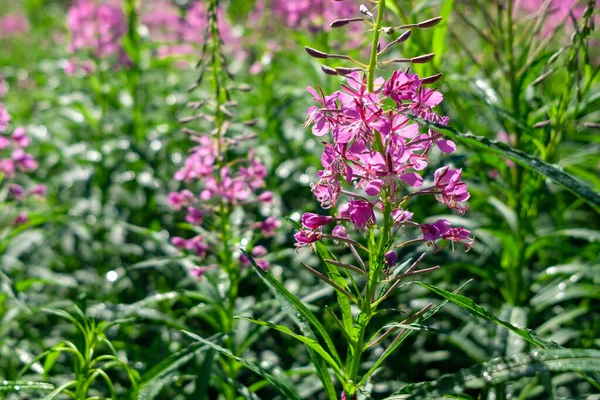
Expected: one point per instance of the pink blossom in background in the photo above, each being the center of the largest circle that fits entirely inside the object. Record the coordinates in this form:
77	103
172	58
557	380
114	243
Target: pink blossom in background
4	118
558	12
15	163
376	156
97	27
13	23
3	86
177	32
309	14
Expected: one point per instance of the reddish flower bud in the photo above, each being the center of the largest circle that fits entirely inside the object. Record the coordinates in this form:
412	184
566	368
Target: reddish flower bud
314	221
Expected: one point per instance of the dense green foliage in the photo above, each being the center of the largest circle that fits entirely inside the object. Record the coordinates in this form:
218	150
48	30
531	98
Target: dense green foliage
96	302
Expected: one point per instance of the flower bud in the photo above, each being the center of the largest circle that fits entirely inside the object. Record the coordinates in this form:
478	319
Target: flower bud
314	221
328	70
340	231
315	53
265	197
430	22
374	187
431	79
391	258
422	59
338	23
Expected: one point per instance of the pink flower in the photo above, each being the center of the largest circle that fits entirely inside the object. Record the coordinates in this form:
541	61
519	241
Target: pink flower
178	200
39	190
99	27
4	142
13	23
304	237
265	197
198	272
374	187
20	137
194	216
197	245
453	191
361	213
7	167
391	258
460	235
21	219
4	118
24	161
17	191
340	231
399	215
558	12
269	226
258	251
315	221
432	232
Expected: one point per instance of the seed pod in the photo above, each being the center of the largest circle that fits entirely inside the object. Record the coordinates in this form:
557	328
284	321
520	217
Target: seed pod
388	30
431	79
338	23
422	59
328	70
430	22
404	37
542	124
315	53
343	71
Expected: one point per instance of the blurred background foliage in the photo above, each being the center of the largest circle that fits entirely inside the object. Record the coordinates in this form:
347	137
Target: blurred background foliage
98	247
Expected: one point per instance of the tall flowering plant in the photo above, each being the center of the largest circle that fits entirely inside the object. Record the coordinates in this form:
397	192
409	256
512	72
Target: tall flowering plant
225	189
377	146
15	165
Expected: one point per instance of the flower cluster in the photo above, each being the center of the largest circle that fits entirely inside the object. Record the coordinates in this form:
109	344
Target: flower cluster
178	35
377	153
96	27
309	14
15	161
239	183
13	23
557	13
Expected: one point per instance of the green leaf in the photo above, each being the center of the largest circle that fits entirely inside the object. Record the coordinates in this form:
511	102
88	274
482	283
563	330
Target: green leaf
504	369
403	335
300	315
295	303
283	387
324	254
313	344
152	382
440	33
479	312
576	186
24	386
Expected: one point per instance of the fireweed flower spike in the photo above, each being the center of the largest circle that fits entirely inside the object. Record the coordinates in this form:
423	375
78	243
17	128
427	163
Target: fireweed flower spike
15	165
374	164
223	181
96	27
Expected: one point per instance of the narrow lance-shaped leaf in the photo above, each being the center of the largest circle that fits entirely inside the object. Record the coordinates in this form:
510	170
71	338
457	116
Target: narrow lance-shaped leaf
503	369
151	383
300	314
283	387
576	186
403	335
313	344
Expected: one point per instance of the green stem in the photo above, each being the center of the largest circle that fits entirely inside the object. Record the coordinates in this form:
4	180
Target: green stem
375	45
